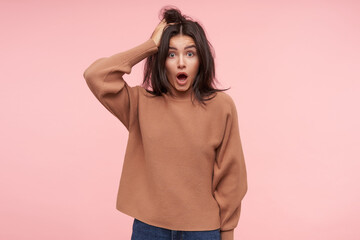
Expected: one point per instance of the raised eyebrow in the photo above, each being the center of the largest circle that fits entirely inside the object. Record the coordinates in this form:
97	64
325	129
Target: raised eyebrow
191	46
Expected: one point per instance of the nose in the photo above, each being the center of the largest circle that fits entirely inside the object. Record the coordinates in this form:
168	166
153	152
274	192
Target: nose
181	62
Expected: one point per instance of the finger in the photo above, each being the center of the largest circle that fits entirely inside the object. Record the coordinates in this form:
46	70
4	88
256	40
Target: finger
169	24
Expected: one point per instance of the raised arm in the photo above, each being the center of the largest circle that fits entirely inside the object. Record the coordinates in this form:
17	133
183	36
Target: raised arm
105	79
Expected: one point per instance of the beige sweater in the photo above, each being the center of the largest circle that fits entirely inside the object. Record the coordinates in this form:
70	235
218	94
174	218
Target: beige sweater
184	166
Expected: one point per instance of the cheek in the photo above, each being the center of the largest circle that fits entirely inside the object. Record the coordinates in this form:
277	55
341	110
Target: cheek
196	68
168	71
167	68
196	65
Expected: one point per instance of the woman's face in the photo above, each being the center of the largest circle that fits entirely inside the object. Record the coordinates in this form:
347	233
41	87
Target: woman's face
182	64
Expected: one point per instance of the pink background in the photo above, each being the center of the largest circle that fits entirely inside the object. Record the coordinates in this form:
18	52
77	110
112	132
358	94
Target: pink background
294	69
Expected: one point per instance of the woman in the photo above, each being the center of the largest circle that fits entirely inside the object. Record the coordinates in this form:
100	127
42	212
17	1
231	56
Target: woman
184	173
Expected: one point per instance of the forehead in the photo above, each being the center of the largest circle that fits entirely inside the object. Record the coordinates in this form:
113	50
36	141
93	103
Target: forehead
181	41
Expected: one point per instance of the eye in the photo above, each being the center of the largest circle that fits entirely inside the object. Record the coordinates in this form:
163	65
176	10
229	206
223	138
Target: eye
171	55
190	54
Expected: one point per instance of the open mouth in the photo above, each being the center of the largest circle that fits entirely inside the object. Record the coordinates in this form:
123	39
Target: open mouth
181	76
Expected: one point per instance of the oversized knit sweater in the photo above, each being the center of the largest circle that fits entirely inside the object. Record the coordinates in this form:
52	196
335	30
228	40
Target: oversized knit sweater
184	166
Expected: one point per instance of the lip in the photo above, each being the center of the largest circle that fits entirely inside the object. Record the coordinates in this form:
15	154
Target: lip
182	73
181	83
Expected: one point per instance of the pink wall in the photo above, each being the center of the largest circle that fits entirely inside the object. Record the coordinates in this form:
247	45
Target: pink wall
294	69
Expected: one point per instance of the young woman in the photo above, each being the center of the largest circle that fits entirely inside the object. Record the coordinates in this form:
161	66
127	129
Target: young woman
184	173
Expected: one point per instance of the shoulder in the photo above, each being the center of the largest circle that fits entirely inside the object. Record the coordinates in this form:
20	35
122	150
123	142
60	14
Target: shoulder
146	94
141	90
225	101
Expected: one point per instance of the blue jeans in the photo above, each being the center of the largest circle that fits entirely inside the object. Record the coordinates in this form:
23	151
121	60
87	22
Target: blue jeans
144	231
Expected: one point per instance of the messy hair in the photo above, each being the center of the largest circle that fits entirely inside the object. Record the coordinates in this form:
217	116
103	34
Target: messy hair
154	68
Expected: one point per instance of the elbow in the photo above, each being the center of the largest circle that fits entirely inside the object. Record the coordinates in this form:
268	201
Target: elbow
89	74
92	70
86	75
91	80
244	189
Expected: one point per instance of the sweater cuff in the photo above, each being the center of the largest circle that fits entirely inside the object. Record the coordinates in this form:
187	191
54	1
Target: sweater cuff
227	235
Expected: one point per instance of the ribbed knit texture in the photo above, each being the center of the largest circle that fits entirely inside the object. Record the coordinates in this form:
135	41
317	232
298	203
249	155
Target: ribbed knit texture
184	166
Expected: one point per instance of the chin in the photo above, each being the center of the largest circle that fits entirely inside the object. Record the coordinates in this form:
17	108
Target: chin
182	89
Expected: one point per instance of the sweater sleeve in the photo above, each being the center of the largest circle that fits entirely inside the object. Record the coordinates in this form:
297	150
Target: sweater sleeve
104	77
230	177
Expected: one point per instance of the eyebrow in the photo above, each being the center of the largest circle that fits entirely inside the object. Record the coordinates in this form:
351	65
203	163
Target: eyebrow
191	46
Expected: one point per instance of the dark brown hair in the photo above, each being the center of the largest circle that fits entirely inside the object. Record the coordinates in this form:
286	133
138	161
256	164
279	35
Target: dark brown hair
155	71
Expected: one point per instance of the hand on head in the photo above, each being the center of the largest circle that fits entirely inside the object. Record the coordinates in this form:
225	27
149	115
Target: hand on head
157	33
